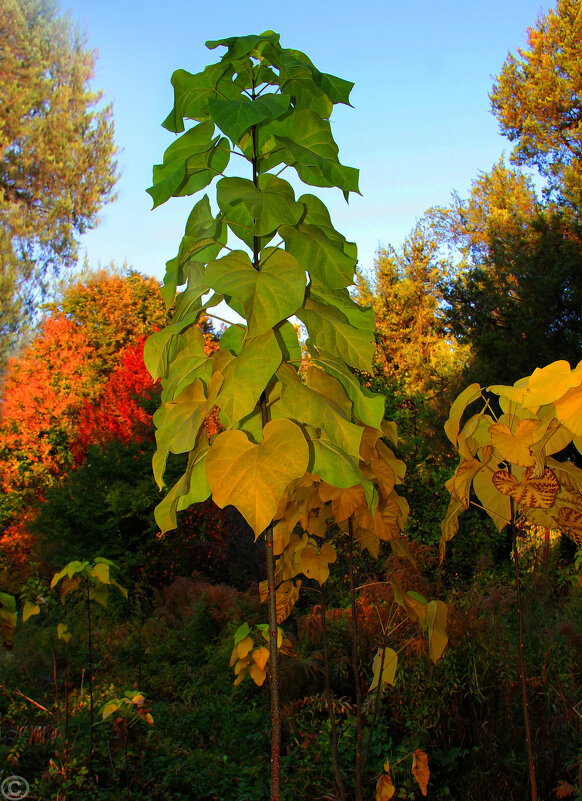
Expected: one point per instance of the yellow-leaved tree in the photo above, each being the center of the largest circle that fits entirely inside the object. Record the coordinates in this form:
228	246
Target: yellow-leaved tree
517	456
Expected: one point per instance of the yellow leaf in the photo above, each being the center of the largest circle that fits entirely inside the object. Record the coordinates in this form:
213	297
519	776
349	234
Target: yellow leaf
29	609
261	657
281	537
450	524
497	506
388	669
420	770
254	477
287	596
460	404
149	719
531	492
515	447
257	674
436	618
569	410
316	565
344	502
459	485
549	383
244	646
384	788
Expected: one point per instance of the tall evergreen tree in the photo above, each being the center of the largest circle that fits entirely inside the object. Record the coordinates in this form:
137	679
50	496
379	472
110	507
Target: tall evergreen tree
57	165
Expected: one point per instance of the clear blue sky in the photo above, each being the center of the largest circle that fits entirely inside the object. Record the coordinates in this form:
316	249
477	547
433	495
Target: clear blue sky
420	127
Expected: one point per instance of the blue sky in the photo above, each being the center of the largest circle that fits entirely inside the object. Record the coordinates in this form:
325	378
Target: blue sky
420	127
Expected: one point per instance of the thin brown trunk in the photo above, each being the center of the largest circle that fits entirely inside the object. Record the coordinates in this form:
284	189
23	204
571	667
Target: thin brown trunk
338	779
524	696
355	668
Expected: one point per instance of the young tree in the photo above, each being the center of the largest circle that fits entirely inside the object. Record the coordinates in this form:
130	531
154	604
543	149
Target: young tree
57	164
537	99
298	448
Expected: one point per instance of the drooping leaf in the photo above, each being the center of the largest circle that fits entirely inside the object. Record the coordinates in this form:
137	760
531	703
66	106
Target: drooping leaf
569	410
459	485
389	658
253	477
321	257
470	394
29	609
436	619
384	787
420	770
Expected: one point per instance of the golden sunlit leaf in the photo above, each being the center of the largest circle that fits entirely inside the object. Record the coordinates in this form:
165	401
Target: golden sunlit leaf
29	609
253	477
420	770
549	383
531	492
450	524
513	446
569	410
497	506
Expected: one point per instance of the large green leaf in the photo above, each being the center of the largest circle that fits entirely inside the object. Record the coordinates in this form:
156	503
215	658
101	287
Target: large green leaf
191	152
330	330
264	207
318	255
234	117
306	405
368	406
203	240
359	317
254	477
191	95
247	375
241	46
308	146
258	292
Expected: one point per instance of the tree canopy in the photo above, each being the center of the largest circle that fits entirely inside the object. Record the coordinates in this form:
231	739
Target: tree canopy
537	99
57	153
